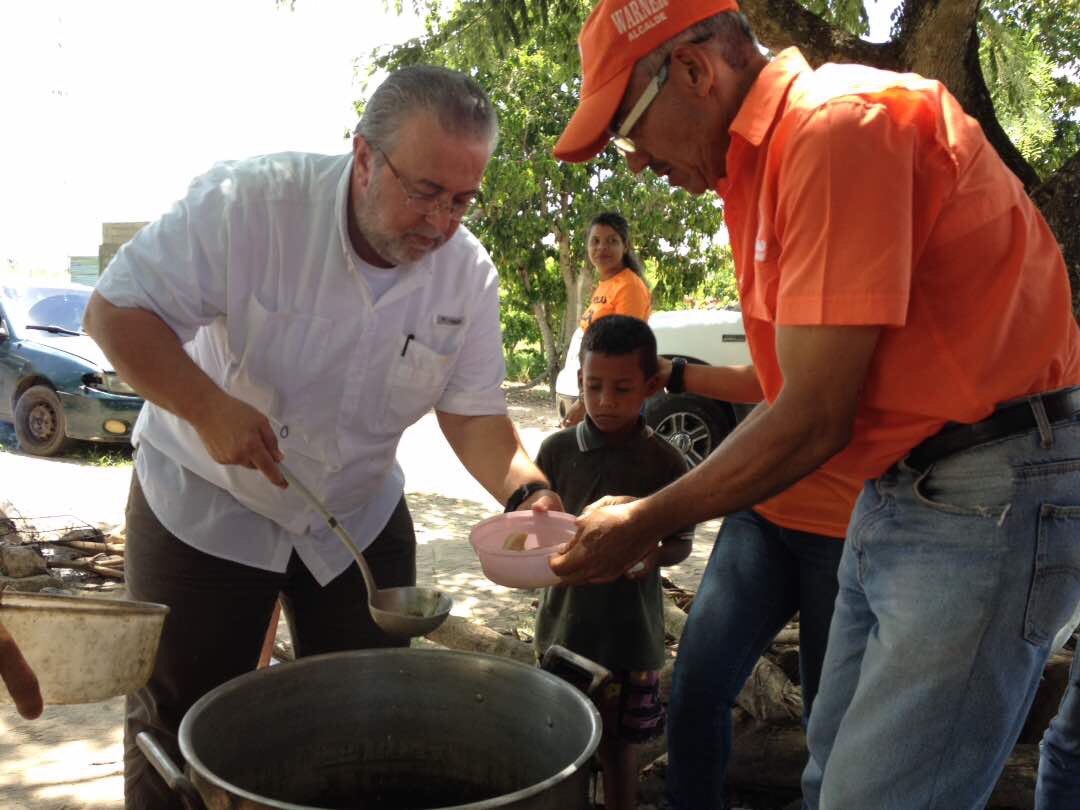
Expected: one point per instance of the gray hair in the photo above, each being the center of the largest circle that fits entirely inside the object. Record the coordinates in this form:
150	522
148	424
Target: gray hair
730	30
460	105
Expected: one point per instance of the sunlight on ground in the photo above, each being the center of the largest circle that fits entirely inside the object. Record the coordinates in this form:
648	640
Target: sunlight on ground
72	757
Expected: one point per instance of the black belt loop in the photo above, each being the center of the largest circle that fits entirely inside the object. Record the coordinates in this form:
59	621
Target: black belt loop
1046	434
1039	411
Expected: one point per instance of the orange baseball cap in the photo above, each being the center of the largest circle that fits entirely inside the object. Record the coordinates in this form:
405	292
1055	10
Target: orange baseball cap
616	35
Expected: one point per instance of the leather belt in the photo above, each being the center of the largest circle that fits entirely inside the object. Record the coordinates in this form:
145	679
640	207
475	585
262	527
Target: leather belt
1007	420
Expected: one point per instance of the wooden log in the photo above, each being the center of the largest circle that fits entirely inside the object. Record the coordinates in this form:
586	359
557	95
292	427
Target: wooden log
767	756
674	619
770	696
90	545
457	633
1055	680
85	565
789	636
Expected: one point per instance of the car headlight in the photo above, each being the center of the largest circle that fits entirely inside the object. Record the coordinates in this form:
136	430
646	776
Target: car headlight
110	382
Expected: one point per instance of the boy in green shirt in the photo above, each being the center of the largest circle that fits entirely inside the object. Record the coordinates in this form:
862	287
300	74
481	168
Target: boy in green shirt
619	624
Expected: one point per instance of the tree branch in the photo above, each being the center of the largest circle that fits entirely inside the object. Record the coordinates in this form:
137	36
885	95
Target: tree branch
782	23
980	105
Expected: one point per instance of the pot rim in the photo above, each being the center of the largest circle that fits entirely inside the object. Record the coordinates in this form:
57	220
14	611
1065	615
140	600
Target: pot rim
241	681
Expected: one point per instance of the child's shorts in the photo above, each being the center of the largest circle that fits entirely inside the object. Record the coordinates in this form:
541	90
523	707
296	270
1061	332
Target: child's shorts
630	706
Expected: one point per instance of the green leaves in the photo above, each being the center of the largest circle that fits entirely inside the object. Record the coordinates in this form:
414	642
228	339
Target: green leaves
1030	55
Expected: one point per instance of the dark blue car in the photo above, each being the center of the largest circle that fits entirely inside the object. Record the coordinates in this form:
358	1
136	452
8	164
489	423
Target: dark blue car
56	385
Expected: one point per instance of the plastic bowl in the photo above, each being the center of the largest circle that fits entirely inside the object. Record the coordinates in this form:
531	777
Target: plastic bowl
528	568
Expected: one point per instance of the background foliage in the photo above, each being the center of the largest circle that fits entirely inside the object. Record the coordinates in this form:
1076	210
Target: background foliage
536	209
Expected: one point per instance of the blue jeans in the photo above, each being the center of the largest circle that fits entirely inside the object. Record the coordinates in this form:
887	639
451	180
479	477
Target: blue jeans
953	584
759	575
1058	786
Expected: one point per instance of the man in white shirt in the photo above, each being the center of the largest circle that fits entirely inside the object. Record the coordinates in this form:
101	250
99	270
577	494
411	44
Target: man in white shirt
305	309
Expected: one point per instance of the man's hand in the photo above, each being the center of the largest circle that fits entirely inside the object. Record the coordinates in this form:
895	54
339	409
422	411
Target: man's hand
20	680
236	433
610	539
607	500
543	500
646	565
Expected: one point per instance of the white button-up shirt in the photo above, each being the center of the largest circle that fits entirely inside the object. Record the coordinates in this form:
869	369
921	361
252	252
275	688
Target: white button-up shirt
255	273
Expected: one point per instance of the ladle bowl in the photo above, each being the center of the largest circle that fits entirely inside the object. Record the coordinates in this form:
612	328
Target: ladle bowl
407	611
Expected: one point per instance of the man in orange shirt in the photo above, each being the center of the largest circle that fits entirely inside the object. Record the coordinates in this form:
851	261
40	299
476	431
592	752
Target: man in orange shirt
909	316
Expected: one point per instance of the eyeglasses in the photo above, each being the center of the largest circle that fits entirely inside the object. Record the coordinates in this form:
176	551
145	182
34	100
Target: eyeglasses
431	203
620	135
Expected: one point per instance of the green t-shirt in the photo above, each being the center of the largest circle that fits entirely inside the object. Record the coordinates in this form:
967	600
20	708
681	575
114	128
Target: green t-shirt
620	624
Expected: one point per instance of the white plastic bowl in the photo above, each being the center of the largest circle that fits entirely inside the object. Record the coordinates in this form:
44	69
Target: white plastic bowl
528	568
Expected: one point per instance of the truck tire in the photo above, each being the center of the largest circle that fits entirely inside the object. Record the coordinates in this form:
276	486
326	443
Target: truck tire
693	425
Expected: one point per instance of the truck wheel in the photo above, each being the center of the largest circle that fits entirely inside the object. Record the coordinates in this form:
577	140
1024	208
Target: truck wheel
693	425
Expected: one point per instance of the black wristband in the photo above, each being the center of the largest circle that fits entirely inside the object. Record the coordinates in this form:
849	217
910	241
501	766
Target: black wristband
520	494
675	383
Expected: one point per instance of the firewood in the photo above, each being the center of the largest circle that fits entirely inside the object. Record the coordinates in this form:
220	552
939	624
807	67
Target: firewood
674	619
766	756
789	636
86	565
1055	680
770	696
457	633
89	545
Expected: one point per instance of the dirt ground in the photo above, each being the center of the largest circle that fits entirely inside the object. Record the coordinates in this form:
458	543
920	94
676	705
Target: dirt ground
71	758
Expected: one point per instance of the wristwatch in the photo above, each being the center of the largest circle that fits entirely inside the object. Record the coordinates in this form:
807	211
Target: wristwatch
675	384
521	494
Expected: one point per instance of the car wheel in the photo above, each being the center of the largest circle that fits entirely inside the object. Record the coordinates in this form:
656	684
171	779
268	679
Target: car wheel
692	425
39	422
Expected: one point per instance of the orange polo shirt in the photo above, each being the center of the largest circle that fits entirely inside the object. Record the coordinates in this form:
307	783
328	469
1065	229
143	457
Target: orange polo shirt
622	294
856	196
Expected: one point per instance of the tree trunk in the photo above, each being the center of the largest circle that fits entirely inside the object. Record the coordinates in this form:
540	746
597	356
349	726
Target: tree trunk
1059	200
539	310
551	351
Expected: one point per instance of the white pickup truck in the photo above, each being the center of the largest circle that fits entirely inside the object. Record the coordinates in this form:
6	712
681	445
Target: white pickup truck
694	425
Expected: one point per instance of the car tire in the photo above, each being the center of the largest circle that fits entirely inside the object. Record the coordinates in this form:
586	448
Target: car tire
693	425
39	422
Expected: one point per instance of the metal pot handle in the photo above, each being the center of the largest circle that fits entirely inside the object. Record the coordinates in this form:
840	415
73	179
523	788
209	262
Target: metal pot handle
167	769
586	675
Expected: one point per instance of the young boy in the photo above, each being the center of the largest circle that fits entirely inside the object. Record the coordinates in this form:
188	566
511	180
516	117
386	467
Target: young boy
620	624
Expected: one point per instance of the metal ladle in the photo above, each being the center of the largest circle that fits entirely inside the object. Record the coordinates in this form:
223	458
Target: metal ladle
406	611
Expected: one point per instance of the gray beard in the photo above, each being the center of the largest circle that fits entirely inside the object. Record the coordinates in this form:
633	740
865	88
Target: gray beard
391	248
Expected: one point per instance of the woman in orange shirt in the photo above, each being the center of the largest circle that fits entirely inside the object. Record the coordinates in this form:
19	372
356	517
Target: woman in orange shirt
622	289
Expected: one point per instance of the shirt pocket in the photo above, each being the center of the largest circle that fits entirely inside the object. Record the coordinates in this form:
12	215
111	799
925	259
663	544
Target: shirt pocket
758	290
417	377
285	359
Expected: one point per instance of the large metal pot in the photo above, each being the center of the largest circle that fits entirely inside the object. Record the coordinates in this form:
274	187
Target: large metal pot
392	729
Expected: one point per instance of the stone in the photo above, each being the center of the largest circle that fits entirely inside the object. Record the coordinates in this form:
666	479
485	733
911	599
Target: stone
88	534
22	561
30	584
